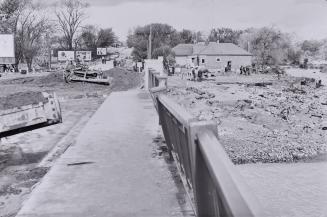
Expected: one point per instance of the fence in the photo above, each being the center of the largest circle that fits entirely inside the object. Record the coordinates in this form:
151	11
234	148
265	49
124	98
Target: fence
208	174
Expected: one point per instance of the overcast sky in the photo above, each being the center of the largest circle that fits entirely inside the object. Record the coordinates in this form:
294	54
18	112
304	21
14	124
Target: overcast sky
306	18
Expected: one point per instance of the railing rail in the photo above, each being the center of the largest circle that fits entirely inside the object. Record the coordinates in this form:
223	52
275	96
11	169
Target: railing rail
209	176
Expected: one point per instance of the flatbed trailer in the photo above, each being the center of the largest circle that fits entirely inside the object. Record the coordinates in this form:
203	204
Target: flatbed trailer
29	117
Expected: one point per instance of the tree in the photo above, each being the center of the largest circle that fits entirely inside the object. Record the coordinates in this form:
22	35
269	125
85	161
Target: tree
106	37
12	9
162	35
187	36
311	47
294	55
268	45
225	35
88	37
91	38
70	15
31	31
26	20
166	52
198	37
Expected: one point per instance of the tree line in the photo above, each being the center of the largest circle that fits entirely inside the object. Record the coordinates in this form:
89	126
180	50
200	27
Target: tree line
269	45
39	28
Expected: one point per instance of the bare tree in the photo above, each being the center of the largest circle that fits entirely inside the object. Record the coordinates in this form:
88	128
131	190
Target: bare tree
12	10
70	15
32	28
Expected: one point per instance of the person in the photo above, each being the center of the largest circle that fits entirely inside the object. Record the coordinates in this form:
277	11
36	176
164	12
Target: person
102	59
69	71
193	73
200	72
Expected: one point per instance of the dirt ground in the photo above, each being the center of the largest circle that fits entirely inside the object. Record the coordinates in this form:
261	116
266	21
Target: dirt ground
25	158
260	118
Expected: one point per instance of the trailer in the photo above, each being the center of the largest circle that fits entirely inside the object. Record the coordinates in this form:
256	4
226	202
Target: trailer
7	49
29	117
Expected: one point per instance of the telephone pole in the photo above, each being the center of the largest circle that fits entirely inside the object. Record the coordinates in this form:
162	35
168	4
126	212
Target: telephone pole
150	43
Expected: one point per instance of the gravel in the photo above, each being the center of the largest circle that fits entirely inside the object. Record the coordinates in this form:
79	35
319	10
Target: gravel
281	122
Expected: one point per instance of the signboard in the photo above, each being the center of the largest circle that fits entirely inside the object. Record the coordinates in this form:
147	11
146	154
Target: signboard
84	55
66	55
101	51
7	49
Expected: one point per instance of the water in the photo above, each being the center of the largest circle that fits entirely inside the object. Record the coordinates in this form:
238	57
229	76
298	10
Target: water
297	189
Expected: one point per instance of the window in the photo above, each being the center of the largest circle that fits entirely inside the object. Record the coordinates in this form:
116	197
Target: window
203	61
218	59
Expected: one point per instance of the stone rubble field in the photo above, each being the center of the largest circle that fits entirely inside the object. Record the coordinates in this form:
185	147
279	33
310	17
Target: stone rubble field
260	118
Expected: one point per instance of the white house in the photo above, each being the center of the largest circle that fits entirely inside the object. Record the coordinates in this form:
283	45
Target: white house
212	55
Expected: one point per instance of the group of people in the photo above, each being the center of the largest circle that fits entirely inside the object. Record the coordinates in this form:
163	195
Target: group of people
244	70
8	68
195	74
103	60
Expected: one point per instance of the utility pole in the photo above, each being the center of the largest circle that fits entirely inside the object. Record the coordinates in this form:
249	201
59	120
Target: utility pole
150	44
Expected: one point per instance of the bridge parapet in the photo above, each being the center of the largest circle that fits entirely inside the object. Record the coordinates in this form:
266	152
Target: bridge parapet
209	176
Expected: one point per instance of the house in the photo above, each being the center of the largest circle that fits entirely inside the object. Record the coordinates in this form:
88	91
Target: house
212	55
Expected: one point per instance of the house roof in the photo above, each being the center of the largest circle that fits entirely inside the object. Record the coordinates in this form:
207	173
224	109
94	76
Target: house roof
183	50
213	48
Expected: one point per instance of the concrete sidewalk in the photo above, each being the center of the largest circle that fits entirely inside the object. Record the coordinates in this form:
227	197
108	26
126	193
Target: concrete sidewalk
110	170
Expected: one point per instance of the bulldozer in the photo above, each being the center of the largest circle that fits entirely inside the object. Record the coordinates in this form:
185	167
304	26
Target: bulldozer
82	73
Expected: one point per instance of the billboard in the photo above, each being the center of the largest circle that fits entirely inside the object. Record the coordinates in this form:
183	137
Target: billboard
66	55
7	49
84	55
101	51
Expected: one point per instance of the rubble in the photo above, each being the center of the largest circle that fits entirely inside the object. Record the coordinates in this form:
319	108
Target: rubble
279	122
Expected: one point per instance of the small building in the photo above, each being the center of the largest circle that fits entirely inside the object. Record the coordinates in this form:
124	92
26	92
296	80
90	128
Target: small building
212	55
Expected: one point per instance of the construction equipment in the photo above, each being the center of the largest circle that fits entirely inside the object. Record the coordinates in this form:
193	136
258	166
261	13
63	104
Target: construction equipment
82	73
31	116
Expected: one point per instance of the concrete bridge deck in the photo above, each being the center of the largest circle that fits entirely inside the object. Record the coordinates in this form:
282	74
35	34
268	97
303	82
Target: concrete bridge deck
110	170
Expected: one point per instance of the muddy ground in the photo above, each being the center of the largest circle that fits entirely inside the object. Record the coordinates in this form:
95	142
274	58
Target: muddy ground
20	99
260	118
25	158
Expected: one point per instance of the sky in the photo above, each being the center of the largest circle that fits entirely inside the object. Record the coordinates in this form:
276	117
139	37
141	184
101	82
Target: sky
306	19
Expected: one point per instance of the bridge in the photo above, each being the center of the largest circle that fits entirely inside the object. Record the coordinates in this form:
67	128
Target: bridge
112	168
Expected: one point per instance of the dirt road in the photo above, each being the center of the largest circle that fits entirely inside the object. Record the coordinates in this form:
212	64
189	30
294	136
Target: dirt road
25	158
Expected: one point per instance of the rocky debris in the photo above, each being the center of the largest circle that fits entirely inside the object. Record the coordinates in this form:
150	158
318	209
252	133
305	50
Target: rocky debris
200	93
282	122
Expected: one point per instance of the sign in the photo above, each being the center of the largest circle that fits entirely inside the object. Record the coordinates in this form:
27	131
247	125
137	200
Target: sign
84	55
7	49
101	51
66	55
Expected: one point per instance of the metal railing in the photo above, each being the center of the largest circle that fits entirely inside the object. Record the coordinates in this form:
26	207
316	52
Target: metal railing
209	176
